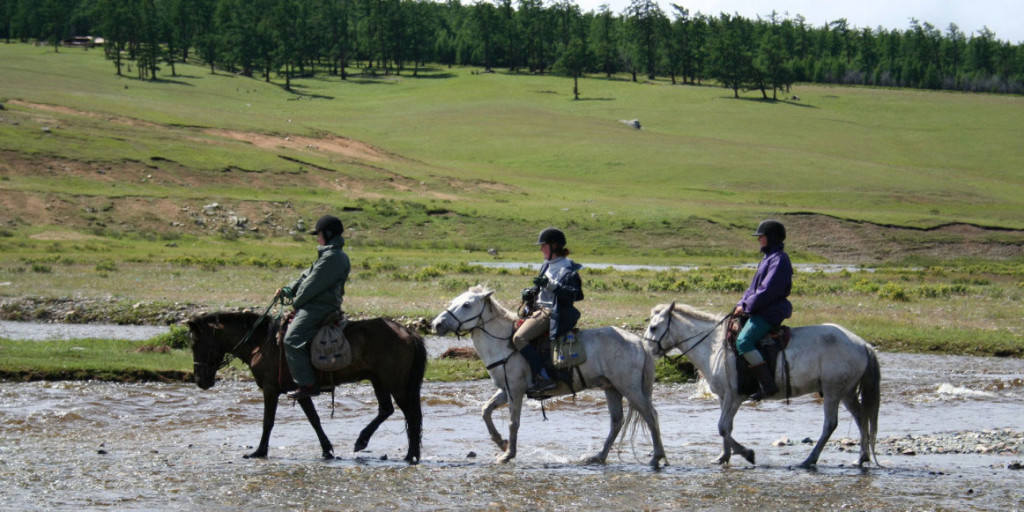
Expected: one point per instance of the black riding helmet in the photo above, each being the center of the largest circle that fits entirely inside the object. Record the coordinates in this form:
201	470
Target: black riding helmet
552	236
772	229
330	225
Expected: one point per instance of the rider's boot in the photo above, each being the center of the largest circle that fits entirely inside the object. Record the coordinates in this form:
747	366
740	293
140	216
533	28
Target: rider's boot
307	391
540	380
766	380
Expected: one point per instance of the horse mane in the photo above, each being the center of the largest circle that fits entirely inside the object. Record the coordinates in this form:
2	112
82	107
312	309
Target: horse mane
222	314
502	310
688	310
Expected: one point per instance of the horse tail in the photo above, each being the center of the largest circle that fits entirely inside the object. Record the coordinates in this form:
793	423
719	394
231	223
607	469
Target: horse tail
415	385
870	397
631	424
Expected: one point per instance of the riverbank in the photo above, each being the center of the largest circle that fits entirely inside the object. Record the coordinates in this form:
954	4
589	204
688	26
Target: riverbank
966	309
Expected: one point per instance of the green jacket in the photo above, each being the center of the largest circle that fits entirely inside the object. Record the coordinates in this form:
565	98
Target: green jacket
322	286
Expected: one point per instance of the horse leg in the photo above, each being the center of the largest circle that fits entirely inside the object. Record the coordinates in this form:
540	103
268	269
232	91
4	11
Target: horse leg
729	408
614	399
853	405
384	410
270	398
499	399
515	409
831	408
314	420
410	406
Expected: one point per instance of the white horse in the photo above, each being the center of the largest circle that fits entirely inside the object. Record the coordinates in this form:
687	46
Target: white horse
826	359
616	362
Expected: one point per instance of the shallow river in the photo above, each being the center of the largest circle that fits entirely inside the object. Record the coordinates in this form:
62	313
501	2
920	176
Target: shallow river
92	445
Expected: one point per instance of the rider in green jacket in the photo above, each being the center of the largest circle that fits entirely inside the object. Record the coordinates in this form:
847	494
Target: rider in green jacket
317	293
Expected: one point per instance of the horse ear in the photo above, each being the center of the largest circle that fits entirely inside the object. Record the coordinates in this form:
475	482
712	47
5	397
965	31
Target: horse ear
488	294
672	306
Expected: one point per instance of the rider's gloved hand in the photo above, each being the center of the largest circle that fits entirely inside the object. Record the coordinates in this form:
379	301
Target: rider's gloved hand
540	281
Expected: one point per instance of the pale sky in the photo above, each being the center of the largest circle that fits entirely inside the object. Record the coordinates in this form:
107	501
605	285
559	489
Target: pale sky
1004	17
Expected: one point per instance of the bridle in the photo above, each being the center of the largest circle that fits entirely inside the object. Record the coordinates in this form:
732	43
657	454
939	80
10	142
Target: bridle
210	353
226	358
482	326
668	327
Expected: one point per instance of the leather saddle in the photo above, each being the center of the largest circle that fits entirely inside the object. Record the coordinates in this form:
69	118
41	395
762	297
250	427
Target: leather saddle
562	376
770	346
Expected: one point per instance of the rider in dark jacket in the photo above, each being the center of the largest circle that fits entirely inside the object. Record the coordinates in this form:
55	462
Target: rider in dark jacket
317	293
766	302
556	288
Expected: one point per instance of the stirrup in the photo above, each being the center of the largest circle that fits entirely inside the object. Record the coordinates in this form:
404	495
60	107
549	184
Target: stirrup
761	394
540	384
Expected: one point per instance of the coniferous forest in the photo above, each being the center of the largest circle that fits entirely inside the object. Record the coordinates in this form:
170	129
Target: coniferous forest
283	39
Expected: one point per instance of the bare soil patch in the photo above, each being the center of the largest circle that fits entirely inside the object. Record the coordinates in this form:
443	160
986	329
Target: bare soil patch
83	113
848	241
330	144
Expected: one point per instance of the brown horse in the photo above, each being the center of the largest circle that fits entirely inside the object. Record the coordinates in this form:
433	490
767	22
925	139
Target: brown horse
387	354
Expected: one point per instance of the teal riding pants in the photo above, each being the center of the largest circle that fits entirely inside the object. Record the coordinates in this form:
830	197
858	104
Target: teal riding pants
755	329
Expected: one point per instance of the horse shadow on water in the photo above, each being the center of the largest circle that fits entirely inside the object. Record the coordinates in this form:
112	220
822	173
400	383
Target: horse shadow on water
826	359
616	362
387	354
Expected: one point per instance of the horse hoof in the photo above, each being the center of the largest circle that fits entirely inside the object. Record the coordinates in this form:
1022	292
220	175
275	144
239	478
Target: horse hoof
360	446
255	455
750	457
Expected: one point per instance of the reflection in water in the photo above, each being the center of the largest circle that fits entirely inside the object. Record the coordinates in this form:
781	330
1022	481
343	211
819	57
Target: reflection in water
88	445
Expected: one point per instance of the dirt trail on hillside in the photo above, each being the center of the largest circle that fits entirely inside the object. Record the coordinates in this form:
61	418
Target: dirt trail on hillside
331	144
328	144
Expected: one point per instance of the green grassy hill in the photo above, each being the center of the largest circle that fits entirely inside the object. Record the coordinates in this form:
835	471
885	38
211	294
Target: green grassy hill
457	160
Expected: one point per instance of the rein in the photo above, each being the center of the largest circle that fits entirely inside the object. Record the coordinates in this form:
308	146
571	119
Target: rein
460	332
231	353
703	336
245	339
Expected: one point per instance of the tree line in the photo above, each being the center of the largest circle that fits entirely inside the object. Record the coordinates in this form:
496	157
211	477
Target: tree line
290	38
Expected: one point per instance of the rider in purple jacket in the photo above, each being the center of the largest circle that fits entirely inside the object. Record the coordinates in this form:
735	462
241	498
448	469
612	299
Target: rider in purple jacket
766	302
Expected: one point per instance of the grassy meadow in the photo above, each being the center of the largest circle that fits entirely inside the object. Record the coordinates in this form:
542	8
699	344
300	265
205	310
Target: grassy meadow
103	182
517	148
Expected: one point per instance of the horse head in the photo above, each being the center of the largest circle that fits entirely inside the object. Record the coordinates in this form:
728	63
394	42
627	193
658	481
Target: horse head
465	312
657	337
208	352
680	326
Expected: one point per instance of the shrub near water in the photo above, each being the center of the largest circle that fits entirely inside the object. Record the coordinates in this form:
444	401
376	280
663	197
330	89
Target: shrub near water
176	338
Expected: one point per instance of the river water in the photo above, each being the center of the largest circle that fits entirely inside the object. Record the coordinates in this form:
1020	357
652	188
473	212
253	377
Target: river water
94	445
35	331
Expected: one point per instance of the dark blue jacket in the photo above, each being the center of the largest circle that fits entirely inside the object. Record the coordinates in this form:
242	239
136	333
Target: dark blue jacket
568	290
767	295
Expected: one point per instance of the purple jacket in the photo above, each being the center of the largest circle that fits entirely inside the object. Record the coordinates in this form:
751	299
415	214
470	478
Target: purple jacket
772	283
